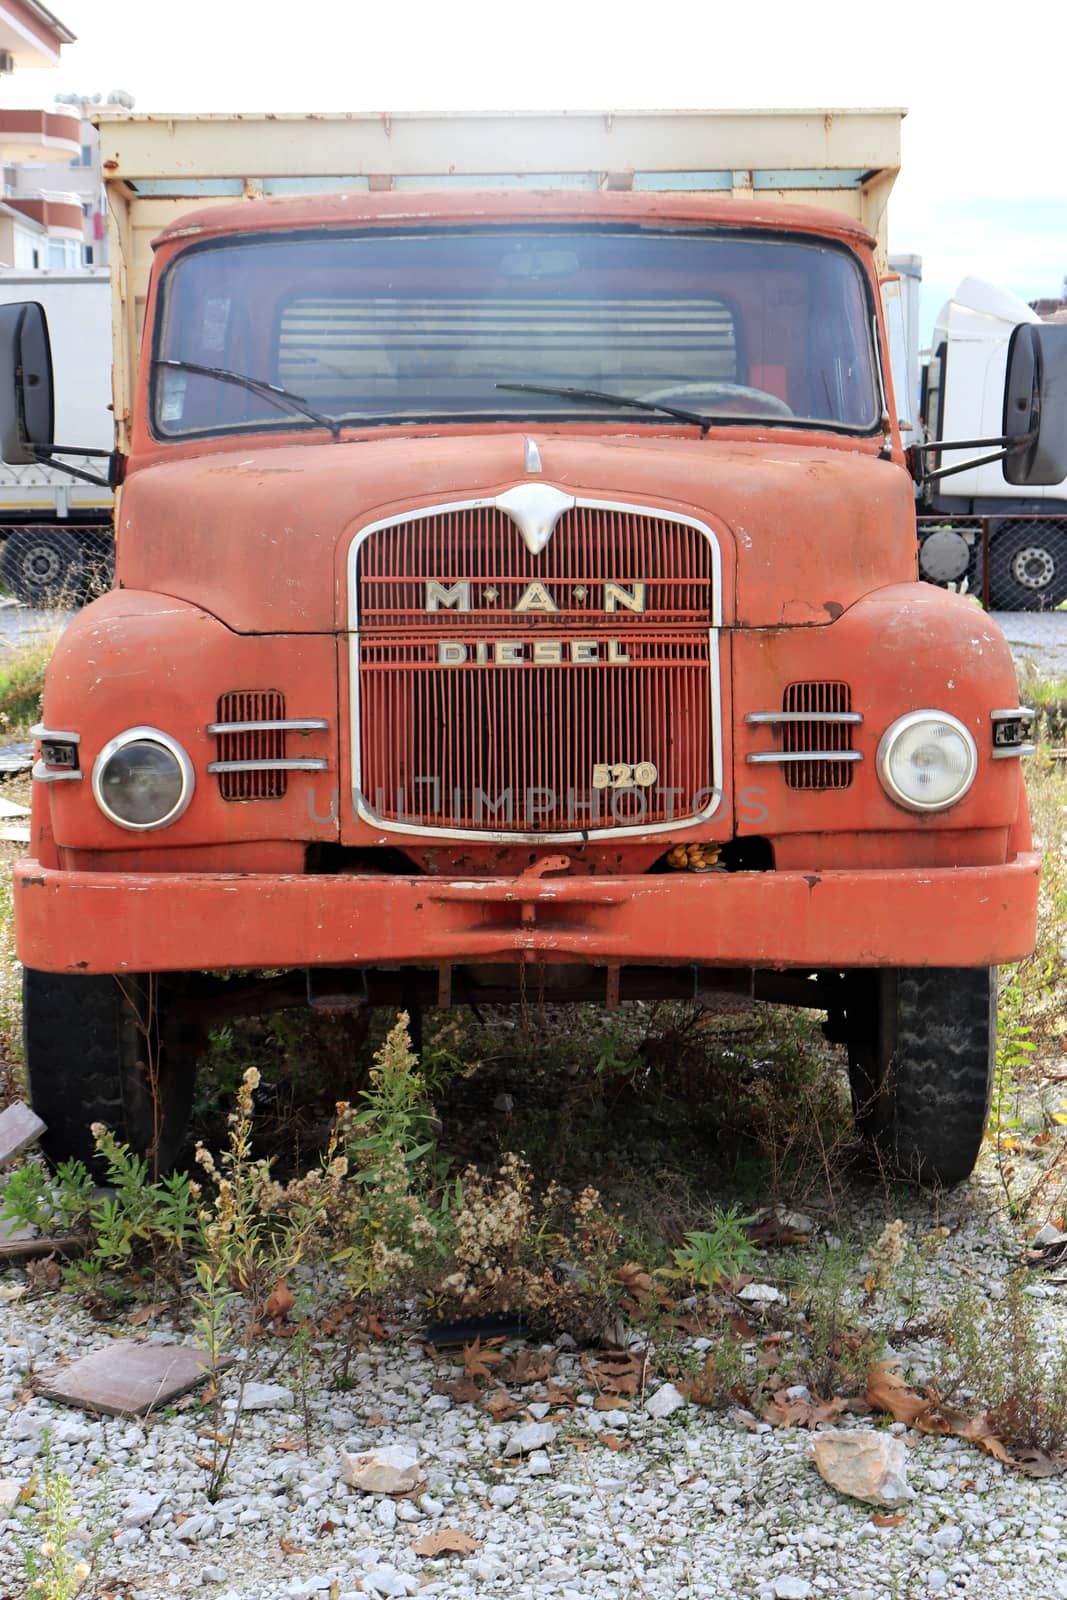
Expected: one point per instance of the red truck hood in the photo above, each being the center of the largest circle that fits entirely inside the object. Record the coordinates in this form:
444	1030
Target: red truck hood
259	537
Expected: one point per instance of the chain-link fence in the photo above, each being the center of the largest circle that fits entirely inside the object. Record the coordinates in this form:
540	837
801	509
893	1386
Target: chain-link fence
1012	563
56	564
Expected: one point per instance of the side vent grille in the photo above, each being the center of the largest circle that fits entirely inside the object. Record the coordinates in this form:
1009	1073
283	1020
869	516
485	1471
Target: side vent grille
833	737
251	705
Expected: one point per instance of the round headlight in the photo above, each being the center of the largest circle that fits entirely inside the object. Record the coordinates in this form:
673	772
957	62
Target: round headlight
143	779
927	760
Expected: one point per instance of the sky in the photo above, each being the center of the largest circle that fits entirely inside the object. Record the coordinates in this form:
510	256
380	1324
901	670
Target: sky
983	185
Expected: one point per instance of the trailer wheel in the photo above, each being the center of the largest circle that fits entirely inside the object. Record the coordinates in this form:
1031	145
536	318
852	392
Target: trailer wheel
921	1047
55	566
1028	566
89	1044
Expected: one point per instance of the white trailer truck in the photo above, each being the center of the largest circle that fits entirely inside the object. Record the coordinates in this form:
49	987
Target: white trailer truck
56	530
959	394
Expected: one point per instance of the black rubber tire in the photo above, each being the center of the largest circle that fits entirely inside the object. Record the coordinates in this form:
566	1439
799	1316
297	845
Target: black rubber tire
45	566
1047	567
86	1055
921	1049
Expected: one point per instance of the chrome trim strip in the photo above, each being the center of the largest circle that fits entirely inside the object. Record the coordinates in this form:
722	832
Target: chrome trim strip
1022	712
767	758
283	764
803	716
39	731
43	774
1004	751
151	736
363	810
292	725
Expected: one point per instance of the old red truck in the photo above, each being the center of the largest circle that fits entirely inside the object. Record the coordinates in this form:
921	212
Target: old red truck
516	593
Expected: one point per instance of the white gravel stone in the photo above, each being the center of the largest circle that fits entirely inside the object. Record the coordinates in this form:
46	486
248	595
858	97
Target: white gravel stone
213	1574
539	1464
267	1397
10	1491
141	1508
790	1588
529	1438
937	1578
667	1399
758	1294
385	1513
503	1496
386	1580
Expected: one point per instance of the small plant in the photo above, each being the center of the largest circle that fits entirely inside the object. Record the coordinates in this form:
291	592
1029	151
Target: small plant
53	1566
721	1251
995	1356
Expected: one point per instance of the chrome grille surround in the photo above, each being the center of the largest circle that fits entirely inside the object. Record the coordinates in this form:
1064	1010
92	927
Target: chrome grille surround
710	679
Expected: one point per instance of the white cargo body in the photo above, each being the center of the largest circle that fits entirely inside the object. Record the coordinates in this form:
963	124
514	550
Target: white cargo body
969	356
78	308
158	167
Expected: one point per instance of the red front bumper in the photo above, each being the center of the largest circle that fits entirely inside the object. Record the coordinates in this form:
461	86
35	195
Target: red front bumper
158	922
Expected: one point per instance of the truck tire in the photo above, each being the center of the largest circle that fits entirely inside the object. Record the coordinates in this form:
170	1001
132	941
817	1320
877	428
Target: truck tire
55	566
86	1054
921	1050
1028	566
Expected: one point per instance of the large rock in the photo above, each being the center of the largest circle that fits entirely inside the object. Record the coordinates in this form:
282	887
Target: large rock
868	1466
394	1469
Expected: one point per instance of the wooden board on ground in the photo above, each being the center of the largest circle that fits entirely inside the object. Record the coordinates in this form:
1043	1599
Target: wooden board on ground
19	1128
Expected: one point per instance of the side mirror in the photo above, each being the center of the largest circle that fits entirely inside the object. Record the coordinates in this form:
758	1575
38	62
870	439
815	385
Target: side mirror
27	395
1035	405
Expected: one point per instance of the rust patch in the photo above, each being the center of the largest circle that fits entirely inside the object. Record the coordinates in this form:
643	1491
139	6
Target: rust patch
832	609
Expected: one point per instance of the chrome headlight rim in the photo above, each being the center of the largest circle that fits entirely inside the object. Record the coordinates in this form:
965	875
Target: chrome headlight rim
145	735
888	741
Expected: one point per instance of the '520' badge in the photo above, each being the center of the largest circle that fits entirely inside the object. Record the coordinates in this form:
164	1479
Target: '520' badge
621	775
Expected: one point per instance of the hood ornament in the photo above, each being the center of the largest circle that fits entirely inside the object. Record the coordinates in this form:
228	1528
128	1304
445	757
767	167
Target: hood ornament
535	508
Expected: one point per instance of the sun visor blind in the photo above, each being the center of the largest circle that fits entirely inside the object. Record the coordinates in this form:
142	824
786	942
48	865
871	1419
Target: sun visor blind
338	348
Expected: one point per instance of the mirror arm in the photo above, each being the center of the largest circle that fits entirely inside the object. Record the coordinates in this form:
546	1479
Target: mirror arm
965	466
970	444
1021	441
46	460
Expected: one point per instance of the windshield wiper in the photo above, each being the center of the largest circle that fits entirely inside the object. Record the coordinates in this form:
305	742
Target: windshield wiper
701	422
270	391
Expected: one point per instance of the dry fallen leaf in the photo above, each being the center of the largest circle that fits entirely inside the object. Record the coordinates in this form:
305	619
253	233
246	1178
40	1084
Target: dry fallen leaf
526	1368
613	1441
1038	1464
327	1527
289	1548
288	1444
887	1522
611	1402
888	1391
619	1372
279	1302
463	1390
144	1314
802	1413
446	1542
500	1406
479	1359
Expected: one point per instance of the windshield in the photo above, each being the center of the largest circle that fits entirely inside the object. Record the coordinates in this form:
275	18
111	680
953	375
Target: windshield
427	326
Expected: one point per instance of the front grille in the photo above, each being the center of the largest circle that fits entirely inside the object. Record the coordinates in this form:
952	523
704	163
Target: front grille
825	699
252	705
474	716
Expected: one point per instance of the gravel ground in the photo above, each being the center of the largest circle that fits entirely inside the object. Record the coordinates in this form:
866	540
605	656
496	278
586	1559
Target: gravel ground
1040	637
692	1504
